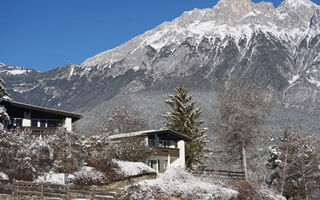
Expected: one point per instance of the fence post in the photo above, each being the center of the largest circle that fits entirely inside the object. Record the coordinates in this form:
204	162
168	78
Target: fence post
42	195
92	193
68	192
13	187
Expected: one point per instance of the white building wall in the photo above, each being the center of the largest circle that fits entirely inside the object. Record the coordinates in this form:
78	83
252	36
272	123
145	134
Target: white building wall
68	124
172	161
180	162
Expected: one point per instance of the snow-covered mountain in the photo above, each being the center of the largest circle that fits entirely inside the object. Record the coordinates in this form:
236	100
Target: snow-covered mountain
277	48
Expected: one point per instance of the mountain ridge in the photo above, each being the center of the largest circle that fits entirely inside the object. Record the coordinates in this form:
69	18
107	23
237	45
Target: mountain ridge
276	48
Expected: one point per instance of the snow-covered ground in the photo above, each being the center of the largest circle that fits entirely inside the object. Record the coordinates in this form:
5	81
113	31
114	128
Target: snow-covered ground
51	177
3	176
179	183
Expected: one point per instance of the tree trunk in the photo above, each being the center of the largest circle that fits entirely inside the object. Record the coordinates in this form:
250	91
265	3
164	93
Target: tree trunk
304	179
244	162
284	171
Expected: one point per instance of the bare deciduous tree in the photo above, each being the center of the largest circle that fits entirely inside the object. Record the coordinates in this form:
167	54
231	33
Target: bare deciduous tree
99	150
134	149
242	109
295	166
125	120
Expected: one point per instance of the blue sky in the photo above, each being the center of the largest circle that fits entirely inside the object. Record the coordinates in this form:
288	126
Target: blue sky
45	34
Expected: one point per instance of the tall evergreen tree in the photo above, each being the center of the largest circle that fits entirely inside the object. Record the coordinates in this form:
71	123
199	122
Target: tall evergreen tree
3	96
184	118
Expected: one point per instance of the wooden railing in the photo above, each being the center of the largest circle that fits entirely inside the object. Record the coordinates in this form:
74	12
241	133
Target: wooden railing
26	188
161	151
225	174
40	130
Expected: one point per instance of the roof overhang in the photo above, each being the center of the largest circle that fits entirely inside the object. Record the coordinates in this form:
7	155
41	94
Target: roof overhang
74	116
151	133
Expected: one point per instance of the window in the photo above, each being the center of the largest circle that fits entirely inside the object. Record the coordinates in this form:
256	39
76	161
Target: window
34	123
11	121
159	165
164	143
165	164
15	122
153	164
52	123
42	123
151	142
19	122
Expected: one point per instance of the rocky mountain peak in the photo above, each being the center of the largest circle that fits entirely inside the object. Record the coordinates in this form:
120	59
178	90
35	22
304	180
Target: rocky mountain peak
230	11
298	3
228	17
297	13
315	22
232	3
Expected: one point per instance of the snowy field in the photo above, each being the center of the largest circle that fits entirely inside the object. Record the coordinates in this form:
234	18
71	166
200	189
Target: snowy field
180	183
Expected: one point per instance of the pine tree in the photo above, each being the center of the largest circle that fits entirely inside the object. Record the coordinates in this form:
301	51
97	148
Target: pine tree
184	118
3	96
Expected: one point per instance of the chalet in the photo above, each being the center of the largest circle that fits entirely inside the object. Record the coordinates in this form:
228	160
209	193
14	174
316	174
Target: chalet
169	146
38	120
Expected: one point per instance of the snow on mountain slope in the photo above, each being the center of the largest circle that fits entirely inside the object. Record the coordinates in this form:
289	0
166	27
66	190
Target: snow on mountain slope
235	18
276	48
11	70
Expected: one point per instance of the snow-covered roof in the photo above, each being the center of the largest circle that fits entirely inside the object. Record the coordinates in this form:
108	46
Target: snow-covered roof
132	168
151	132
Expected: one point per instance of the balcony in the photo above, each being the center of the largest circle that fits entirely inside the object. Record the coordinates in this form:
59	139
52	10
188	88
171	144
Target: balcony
40	130
173	152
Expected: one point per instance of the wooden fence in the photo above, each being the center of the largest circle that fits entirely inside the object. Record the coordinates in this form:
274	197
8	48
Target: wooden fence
46	190
225	174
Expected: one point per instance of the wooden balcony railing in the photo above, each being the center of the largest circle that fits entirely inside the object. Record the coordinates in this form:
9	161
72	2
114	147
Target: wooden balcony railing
161	151
40	130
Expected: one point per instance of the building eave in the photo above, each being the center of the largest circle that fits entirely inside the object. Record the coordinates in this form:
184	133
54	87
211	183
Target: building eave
150	133
74	116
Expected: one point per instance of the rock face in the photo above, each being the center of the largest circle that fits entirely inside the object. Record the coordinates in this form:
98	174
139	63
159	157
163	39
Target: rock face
276	48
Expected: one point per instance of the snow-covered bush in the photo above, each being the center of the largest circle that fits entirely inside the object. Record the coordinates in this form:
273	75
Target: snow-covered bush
15	154
116	170
23	156
91	176
68	151
253	191
3	176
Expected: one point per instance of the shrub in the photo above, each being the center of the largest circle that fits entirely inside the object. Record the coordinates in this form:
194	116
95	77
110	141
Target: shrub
97	174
